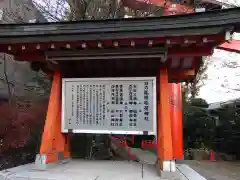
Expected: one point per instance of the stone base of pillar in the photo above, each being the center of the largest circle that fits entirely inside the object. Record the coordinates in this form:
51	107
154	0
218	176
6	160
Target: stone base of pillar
41	161
166	166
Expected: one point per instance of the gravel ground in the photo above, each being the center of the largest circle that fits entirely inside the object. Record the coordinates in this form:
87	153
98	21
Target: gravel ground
220	170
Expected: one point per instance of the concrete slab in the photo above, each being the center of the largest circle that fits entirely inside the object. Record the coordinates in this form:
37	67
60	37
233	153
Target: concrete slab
144	156
189	172
147	157
88	170
102	170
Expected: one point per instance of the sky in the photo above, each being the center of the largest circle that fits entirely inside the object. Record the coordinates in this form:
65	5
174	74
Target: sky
218	75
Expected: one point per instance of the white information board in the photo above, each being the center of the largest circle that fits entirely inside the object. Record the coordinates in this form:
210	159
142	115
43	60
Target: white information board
109	105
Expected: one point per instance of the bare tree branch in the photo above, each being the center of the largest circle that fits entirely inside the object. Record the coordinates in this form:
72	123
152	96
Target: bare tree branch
73	10
53	11
6	80
193	88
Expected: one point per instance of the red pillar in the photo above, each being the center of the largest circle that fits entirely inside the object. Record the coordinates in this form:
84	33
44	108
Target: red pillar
176	120
54	145
164	136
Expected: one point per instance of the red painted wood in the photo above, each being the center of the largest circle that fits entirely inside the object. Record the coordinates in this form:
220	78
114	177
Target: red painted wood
31	47
164	135
233	46
177	9
32	54
193	50
176	119
169	9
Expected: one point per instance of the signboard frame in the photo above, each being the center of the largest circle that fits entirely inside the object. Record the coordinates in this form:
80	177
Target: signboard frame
138	132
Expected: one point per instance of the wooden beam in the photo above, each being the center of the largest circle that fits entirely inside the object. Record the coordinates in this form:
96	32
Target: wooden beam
181	73
185	75
193	50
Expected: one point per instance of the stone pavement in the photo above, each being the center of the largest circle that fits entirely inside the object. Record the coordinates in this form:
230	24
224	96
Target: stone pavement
220	170
125	170
95	170
86	170
183	171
